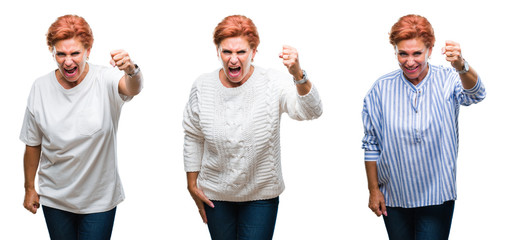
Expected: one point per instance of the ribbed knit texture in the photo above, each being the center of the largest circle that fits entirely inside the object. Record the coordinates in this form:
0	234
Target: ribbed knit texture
232	134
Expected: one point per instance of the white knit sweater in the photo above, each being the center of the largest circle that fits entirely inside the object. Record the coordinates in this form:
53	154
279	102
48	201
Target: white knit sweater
232	134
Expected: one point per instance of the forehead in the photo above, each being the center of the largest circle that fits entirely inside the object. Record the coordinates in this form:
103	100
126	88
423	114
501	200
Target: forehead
414	44
71	44
234	43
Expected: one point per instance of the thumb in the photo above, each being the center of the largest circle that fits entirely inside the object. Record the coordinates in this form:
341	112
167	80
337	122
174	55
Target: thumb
383	208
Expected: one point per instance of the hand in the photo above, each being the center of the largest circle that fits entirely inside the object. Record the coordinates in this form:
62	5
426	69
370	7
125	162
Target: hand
121	59
200	199
377	203
452	52
31	202
290	60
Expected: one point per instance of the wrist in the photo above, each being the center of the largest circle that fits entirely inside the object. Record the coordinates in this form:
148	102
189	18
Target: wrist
373	188
135	71
301	80
464	67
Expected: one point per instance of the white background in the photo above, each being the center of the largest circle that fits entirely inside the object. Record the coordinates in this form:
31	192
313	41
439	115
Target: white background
343	47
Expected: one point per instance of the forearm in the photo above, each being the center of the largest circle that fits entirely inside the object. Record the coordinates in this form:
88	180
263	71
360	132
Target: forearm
31	164
371	174
469	79
192	179
304	89
134	83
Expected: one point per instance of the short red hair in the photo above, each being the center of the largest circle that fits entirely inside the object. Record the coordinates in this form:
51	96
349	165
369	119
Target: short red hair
410	27
237	26
68	27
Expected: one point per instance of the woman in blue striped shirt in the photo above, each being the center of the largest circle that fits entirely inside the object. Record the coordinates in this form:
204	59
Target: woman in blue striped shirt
410	119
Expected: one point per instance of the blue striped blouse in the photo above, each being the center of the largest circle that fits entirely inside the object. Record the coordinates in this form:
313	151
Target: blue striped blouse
412	133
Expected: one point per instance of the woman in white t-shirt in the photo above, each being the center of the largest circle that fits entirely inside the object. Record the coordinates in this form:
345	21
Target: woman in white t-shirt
70	128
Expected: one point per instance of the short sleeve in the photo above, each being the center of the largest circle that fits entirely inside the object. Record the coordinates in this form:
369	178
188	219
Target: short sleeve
30	134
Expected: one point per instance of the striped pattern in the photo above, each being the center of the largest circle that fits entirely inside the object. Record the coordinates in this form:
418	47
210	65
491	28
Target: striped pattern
412	134
232	135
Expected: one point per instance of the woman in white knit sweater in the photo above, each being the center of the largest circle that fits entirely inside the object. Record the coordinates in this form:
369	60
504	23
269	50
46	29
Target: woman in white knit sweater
231	125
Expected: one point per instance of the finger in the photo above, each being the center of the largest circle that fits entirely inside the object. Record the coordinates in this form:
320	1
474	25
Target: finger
201	211
207	201
201	196
287	47
451	43
374	208
114	53
383	208
203	215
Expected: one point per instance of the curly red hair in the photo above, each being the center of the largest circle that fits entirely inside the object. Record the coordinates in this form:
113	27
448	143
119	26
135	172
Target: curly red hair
237	26
410	27
68	27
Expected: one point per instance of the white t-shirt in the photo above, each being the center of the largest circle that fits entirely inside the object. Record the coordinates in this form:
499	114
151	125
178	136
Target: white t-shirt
76	129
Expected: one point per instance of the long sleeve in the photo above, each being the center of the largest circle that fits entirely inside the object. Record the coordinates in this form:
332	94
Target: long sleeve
193	137
307	107
370	140
467	97
412	133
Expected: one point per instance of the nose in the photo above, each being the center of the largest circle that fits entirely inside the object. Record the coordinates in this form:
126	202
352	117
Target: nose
410	60
234	59
68	61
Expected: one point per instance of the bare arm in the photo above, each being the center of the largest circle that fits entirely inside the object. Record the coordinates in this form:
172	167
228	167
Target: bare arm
197	194
31	164
376	201
289	57
452	50
131	83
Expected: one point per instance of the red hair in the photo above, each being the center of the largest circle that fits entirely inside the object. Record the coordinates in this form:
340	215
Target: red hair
237	26
410	27
68	27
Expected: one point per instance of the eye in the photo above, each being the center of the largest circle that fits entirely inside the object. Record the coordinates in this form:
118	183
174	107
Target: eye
402	54
241	52
60	54
74	54
226	52
417	54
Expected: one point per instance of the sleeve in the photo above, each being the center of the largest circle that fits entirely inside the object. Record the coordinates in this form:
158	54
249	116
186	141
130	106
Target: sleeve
307	107
193	137
112	76
370	140
468	97
30	134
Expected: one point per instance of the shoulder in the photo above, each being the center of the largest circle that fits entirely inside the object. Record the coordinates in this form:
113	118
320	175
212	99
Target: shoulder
206	78
105	73
384	80
273	74
441	72
44	79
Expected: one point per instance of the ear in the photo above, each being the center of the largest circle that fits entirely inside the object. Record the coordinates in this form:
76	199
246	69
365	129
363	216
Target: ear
88	51
253	53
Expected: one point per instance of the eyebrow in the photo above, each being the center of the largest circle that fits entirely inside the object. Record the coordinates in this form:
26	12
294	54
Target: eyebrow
225	49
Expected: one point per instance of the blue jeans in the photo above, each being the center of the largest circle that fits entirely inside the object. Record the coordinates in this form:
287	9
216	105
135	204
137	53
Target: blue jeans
63	225
422	223
254	220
